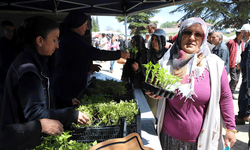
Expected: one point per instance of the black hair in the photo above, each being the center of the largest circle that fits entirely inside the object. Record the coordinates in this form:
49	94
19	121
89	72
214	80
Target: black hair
210	33
103	34
139	42
6	23
36	26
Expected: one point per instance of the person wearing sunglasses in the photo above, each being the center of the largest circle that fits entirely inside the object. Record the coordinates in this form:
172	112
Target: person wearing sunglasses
220	48
193	119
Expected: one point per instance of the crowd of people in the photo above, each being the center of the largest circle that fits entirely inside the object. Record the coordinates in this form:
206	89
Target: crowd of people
40	84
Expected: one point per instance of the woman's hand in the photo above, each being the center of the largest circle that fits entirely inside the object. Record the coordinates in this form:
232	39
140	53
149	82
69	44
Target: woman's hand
83	119
51	127
152	95
230	137
75	102
125	54
95	68
168	45
135	66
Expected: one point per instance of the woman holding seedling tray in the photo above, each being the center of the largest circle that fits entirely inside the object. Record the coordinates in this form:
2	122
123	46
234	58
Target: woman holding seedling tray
193	118
154	54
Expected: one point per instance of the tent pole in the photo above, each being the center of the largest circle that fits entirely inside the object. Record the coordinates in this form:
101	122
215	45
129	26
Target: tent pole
126	34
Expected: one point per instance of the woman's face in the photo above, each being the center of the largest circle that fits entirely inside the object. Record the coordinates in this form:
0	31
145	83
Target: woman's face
155	44
49	44
191	39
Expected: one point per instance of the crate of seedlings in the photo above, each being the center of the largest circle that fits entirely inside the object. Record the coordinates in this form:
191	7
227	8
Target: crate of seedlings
108	119
161	83
64	142
110	88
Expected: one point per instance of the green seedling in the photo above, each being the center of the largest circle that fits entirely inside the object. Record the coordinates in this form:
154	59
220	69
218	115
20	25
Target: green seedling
148	67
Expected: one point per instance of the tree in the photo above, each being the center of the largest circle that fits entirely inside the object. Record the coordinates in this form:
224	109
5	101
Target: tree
225	13
168	24
138	22
95	25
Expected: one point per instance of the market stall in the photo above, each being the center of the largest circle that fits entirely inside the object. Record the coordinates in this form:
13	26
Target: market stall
148	132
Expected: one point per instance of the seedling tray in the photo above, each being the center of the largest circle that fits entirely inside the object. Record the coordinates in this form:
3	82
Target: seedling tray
99	133
128	95
158	91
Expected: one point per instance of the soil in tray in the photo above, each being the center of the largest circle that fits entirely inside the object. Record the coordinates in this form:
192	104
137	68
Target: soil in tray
158	91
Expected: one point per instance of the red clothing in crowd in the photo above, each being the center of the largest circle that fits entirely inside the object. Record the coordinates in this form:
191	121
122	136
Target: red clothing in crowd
233	48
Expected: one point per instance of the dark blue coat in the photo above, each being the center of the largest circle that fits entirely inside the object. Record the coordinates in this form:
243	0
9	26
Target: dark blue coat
27	93
72	61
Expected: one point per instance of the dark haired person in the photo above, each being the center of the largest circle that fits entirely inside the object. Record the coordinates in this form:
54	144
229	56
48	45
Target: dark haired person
154	54
27	94
6	52
74	58
209	42
128	72
103	42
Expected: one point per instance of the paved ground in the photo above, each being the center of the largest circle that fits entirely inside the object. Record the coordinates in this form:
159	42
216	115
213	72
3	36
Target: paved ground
242	135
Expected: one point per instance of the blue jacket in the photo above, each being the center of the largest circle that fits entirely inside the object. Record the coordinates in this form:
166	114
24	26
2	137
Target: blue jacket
28	95
222	51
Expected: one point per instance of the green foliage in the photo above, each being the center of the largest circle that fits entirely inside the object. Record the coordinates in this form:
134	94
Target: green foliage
138	22
131	50
168	24
148	67
154	71
105	111
162	77
107	87
226	13
62	142
95	24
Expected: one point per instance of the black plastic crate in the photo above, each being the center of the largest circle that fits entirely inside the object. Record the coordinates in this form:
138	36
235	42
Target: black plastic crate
100	133
135	126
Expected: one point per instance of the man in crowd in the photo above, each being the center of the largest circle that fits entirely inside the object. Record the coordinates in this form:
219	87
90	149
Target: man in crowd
244	109
220	48
121	42
103	43
6	52
151	29
236	47
209	42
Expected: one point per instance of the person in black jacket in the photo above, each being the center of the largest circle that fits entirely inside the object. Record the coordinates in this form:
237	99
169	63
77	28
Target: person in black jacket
73	59
26	135
27	94
154	54
128	72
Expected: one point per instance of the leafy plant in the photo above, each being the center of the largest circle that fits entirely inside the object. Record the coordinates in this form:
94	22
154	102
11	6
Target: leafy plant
148	67
107	112
162	77
131	50
62	142
154	72
107	87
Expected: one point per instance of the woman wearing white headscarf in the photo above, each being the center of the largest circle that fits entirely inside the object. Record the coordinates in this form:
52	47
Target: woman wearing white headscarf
193	119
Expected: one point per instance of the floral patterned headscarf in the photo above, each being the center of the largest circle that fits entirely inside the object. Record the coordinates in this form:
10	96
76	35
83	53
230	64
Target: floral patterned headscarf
184	65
